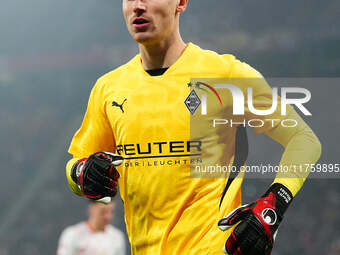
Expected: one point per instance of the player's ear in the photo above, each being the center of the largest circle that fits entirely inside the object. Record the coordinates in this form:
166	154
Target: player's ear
181	5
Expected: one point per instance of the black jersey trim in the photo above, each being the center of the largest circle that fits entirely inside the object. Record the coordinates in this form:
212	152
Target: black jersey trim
157	72
241	154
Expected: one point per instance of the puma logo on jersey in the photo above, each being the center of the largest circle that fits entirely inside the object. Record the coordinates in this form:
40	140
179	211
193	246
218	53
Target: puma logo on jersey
114	103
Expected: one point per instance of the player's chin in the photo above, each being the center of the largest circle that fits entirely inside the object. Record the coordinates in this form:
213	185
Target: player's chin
144	37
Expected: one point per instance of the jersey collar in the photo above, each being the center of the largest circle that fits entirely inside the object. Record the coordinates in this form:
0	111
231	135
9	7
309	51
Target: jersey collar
172	68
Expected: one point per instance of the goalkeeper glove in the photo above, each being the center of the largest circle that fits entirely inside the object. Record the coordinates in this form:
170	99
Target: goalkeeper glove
259	221
97	176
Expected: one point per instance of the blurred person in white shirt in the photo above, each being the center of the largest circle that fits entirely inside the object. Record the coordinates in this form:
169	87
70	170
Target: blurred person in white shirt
335	248
96	236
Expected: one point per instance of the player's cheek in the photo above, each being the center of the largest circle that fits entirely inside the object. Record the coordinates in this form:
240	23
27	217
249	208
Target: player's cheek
126	14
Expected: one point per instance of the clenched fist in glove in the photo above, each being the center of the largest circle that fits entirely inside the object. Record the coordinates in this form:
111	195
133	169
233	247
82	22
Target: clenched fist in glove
259	221
96	175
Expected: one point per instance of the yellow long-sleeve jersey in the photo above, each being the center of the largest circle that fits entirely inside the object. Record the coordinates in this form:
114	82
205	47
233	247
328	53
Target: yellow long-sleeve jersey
150	121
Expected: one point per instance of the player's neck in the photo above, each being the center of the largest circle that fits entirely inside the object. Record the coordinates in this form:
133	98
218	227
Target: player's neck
94	226
162	54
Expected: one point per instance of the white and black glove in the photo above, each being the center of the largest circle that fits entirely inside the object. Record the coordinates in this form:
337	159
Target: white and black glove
258	223
97	176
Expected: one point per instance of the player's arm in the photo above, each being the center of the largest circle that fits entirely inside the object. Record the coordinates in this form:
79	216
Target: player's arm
92	171
258	221
71	183
302	148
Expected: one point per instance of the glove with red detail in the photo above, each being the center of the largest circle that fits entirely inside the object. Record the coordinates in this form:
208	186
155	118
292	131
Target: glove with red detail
97	176
259	221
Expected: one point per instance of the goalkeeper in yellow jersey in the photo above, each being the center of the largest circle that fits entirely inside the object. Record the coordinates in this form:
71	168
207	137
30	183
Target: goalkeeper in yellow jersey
142	132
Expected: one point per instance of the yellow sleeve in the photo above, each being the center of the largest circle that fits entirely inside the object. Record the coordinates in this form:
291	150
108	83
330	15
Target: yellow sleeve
94	135
246	77
73	186
301	144
301	147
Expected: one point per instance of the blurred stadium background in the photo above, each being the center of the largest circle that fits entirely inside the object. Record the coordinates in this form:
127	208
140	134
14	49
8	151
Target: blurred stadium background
52	52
